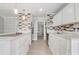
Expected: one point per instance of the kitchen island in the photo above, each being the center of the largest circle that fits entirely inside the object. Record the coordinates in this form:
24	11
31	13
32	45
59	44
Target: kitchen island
14	43
64	43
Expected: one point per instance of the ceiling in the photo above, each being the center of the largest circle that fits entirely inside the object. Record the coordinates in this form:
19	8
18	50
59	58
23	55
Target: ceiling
6	9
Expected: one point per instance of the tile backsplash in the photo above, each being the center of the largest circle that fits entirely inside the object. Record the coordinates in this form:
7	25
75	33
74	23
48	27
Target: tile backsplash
24	24
68	27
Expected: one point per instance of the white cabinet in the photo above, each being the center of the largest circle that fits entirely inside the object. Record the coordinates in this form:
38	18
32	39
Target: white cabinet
68	14
54	20
20	46
64	45
57	45
15	45
1	24
65	16
75	46
77	12
57	19
5	43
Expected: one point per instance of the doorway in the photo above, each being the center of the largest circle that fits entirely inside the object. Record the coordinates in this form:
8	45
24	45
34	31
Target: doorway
40	32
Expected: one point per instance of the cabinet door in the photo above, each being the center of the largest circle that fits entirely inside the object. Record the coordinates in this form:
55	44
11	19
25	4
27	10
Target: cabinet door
75	46
77	12
59	46
54	21
5	48
58	19
68	14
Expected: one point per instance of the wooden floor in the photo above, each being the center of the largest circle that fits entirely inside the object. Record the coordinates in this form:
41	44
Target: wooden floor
39	47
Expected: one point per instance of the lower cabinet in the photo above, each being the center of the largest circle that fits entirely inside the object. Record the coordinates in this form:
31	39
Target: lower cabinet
63	46
21	45
75	46
58	46
5	47
15	45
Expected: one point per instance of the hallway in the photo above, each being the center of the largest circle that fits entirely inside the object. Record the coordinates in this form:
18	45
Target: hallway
39	47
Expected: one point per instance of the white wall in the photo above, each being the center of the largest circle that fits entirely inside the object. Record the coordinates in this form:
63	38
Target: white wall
10	24
1	24
35	22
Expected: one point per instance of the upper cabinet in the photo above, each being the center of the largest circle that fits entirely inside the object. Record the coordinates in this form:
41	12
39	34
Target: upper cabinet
54	21
77	12
68	14
58	19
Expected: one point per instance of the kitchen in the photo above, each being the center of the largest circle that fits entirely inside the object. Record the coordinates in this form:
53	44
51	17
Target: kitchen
20	27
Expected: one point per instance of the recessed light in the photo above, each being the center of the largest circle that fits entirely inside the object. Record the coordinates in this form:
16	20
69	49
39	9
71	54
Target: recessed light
16	11
41	9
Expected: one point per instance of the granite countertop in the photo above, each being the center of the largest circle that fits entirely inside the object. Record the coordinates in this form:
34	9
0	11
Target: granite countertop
10	34
67	35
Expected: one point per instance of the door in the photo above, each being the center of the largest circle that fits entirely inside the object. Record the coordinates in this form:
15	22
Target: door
40	32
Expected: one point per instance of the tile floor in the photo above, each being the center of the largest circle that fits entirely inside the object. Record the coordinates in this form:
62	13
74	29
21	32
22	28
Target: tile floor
39	47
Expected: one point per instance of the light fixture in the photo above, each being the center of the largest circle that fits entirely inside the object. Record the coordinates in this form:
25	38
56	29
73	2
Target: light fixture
41	9
16	11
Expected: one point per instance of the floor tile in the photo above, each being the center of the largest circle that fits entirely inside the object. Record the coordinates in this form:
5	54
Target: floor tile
39	47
